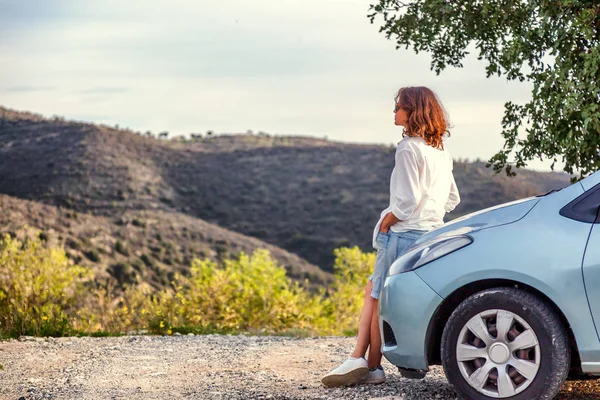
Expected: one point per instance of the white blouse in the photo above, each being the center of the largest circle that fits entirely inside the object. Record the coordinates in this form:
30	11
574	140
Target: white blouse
422	187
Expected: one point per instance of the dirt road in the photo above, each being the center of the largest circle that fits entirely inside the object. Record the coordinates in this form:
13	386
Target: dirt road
203	367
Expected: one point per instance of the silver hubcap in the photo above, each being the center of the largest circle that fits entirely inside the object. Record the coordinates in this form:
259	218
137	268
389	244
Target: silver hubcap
498	353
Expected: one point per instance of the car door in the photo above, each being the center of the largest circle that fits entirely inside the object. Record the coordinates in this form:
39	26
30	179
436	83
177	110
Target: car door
589	205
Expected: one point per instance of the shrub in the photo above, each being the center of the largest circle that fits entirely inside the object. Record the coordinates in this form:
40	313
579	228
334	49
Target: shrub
72	243
251	293
92	255
43	236
39	288
105	312
122	272
351	269
121	248
248	294
138	222
147	260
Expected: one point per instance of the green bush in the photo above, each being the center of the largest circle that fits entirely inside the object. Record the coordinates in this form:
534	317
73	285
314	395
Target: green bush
147	260
139	222
351	270
42	293
74	244
251	293
39	289
122	272
121	248
92	255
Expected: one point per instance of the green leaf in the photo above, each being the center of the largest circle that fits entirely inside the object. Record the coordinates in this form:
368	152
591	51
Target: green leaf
553	45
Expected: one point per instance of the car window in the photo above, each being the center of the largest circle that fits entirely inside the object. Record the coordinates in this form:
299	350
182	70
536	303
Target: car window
585	208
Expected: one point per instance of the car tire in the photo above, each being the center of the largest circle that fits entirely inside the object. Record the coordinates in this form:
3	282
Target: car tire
491	373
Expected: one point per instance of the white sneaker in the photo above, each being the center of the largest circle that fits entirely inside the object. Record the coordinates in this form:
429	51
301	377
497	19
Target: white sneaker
374	377
350	372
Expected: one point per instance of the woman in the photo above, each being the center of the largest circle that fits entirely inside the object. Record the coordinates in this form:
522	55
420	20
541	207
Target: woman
422	190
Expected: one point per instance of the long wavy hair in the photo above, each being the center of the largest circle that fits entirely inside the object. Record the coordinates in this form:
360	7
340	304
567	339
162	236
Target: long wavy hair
427	118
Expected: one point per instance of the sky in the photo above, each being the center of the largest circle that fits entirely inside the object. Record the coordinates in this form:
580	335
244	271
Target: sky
285	67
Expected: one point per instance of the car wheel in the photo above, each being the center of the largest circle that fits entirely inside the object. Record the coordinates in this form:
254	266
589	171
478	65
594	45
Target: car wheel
505	342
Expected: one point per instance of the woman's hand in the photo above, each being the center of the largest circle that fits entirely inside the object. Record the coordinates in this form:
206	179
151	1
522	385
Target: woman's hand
389	220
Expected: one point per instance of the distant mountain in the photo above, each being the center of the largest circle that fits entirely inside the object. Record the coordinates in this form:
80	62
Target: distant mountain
308	196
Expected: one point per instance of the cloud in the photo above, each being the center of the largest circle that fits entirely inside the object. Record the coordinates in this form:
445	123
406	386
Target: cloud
103	90
30	88
314	67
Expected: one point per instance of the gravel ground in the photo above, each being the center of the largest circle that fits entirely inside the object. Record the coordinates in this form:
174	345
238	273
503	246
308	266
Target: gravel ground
203	367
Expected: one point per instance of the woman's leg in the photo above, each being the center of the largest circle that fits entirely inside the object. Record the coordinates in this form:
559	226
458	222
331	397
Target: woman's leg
375	355
364	326
397	243
355	368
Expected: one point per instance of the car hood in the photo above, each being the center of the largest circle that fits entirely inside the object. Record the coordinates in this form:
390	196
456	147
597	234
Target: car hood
502	214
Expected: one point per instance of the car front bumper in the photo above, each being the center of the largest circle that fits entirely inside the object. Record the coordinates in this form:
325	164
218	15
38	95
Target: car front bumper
406	305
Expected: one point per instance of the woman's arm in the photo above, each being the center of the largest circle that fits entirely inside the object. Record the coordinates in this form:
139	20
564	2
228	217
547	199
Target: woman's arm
453	197
389	220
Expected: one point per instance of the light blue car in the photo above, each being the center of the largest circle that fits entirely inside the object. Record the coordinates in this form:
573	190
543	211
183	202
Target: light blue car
506	299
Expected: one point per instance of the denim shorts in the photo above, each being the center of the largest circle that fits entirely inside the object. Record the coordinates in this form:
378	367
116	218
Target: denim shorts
389	247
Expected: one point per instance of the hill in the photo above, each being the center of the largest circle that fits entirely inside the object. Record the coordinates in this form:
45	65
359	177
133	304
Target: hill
302	194
153	244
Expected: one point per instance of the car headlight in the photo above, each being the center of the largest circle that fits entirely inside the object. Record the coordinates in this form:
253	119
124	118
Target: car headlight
428	252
